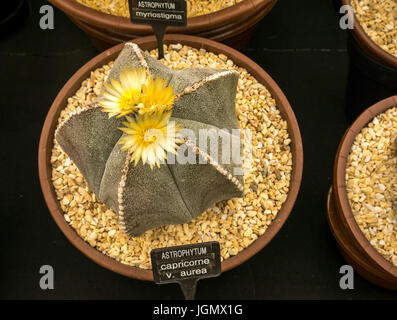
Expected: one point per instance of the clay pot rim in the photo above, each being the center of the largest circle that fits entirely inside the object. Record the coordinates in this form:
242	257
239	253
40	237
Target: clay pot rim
368	45
228	31
215	19
339	182
354	257
47	135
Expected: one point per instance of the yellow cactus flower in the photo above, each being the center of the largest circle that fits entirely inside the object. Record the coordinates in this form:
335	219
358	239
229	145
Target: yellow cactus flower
149	137
156	96
136	92
122	97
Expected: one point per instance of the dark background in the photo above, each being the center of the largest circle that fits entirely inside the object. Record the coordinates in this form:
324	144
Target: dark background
299	44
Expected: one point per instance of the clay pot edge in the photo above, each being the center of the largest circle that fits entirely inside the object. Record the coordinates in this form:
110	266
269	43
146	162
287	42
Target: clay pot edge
339	183
368	45
222	34
360	263
214	20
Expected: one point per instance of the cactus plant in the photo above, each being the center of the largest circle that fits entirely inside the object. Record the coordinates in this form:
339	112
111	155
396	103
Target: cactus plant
161	193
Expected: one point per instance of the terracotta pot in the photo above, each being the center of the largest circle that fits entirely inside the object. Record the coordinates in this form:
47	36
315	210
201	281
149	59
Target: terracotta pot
369	46
354	246
372	72
47	136
233	25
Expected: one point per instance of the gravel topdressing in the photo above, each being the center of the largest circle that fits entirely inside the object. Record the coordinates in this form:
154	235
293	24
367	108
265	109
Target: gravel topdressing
379	20
371	177
235	223
194	7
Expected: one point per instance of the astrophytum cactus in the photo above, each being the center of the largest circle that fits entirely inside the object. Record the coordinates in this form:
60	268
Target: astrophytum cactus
144	196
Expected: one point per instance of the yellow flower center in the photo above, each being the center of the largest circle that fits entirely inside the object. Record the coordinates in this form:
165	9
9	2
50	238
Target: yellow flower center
129	99
151	136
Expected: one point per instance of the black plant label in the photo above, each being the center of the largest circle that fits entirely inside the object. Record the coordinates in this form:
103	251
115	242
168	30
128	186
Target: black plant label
168	12
159	14
186	265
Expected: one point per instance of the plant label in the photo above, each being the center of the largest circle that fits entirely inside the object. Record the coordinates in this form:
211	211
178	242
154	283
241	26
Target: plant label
186	265
159	14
